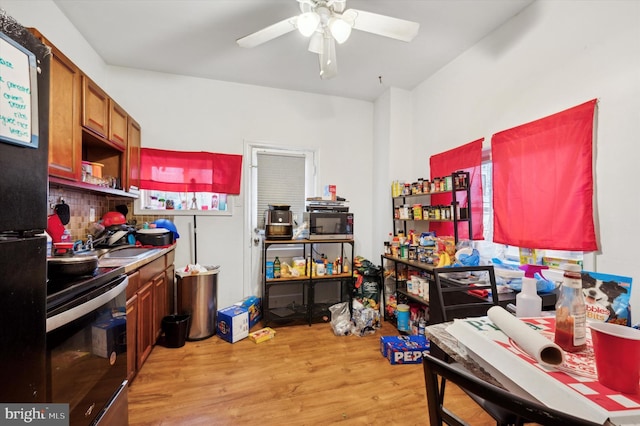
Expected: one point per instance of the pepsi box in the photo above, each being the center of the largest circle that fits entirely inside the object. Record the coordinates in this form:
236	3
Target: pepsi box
404	349
232	323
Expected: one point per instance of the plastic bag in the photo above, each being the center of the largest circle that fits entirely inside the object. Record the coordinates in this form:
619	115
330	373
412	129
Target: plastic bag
340	319
365	321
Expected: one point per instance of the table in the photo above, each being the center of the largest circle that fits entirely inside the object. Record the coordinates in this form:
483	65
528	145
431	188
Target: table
440	337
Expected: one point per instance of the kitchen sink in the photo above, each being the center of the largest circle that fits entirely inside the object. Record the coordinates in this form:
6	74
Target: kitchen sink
127	252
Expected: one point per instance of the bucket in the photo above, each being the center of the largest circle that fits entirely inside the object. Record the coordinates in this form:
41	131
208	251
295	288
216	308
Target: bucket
175	329
403	317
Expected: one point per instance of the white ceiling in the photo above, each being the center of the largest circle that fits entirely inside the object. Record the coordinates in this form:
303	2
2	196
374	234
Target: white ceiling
197	38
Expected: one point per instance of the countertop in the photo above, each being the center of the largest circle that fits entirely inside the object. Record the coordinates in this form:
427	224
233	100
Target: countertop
131	264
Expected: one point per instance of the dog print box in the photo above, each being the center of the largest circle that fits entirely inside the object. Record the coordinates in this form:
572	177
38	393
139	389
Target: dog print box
233	323
607	297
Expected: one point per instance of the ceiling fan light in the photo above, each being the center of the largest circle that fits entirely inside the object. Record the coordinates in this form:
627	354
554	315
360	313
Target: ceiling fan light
307	23
316	42
340	29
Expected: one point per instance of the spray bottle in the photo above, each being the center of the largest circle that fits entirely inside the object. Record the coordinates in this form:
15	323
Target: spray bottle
528	303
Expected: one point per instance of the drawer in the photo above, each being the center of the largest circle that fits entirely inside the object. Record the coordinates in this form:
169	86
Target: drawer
151	269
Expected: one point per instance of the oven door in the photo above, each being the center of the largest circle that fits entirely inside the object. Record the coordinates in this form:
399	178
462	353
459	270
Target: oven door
87	351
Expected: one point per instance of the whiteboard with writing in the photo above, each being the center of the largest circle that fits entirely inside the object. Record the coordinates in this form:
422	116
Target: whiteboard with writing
18	94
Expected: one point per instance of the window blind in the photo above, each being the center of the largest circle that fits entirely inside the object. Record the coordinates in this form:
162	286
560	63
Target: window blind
281	180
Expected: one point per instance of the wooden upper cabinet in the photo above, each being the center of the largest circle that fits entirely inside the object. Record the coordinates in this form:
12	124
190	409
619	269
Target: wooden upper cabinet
117	125
65	136
86	124
133	157
95	108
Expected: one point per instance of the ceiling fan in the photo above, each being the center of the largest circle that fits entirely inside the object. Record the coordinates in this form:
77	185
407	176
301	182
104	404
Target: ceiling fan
326	22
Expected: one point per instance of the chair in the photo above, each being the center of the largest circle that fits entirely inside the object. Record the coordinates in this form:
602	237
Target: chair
454	293
498	397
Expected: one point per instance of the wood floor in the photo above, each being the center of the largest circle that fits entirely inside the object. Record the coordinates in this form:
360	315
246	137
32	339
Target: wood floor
304	376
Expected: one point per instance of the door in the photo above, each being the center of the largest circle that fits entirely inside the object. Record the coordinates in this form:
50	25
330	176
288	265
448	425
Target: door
22	311
265	187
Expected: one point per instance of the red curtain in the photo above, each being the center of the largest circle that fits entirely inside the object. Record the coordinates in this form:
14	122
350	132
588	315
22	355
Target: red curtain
543	182
182	171
466	158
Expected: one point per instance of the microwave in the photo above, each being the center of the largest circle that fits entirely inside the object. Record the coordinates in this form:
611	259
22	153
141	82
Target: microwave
329	225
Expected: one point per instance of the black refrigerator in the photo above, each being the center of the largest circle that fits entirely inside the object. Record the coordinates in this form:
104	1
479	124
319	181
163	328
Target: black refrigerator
24	128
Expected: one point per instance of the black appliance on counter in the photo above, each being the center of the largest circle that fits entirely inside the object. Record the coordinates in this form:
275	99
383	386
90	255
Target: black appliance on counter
24	105
278	222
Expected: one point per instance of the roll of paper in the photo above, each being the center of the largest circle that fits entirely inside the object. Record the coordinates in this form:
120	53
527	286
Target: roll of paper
529	340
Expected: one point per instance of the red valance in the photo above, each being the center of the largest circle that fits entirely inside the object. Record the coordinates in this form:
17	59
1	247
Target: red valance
184	171
543	182
467	158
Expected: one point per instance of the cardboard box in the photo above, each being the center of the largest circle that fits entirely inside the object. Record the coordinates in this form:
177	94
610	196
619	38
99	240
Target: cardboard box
329	193
262	335
253	305
109	336
404	349
233	323
572	389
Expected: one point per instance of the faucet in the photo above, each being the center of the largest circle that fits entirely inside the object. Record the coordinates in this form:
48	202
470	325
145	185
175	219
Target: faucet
89	243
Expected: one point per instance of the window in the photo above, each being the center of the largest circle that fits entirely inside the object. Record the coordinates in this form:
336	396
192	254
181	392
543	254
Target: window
543	182
185	182
171	201
281	180
510	253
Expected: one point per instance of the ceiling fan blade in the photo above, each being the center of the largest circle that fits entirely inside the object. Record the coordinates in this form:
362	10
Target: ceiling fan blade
386	26
269	33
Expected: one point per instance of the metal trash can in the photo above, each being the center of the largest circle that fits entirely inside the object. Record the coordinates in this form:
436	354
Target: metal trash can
198	297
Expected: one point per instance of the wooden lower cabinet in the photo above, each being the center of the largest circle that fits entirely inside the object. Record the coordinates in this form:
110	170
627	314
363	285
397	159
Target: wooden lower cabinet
160	307
132	336
146	338
148	301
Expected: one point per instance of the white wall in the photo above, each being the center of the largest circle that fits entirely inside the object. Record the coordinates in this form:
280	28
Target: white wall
47	18
554	55
191	114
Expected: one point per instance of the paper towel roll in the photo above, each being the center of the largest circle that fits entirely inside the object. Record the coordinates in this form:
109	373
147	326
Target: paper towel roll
532	342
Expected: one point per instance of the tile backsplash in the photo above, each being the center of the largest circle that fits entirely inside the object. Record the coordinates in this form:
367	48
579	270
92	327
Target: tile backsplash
80	203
